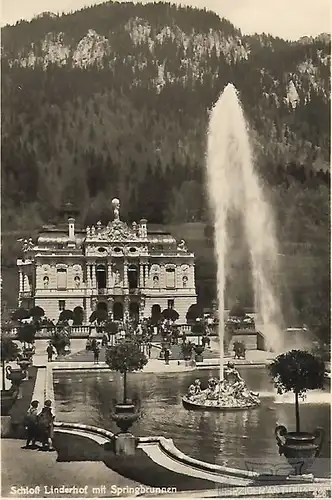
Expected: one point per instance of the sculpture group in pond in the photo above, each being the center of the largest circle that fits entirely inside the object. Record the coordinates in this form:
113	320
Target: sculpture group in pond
229	393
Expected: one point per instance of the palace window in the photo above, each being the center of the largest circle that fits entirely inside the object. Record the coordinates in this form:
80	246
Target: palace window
170	303
62	305
170	278
61	279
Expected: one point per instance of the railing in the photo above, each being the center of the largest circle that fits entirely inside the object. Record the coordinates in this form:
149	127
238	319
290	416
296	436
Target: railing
102	291
26	295
46	332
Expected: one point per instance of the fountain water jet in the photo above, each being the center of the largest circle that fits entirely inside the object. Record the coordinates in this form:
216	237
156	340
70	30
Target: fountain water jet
234	189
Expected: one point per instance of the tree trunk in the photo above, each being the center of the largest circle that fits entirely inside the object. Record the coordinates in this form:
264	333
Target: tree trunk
125	388
297	412
3	375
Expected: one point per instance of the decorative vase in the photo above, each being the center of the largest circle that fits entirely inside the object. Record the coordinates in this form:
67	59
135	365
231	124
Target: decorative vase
124	415
299	448
199	349
15	375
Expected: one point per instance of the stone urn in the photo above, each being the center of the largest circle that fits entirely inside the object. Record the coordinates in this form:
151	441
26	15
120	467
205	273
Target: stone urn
15	375
199	349
299	448
124	415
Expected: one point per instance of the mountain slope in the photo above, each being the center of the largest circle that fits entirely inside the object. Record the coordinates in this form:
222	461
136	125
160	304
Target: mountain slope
113	100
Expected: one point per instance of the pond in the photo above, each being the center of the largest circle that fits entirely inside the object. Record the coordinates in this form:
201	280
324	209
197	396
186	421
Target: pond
241	439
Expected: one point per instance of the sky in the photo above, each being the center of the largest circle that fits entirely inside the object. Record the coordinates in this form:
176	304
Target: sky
289	19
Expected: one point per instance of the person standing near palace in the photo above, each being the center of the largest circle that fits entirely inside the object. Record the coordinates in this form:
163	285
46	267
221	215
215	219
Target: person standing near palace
50	352
46	425
31	424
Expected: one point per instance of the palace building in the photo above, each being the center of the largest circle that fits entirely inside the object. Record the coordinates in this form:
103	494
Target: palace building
129	270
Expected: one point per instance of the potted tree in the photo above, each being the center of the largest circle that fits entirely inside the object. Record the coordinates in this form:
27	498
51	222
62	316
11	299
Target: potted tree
66	315
125	357
26	335
37	313
20	314
61	339
170	314
298	371
195	311
187	349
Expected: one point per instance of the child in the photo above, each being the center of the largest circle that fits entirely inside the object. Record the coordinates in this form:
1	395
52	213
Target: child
31	424
45	422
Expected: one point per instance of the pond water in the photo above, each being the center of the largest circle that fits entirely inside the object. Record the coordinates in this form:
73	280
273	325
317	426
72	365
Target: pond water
243	439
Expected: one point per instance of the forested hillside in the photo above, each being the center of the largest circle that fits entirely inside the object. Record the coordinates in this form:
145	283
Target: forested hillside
113	100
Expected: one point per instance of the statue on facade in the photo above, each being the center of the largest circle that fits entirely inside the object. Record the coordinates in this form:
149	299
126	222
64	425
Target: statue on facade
116	208
117	277
182	246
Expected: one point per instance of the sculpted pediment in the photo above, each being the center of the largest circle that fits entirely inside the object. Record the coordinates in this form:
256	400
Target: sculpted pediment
115	231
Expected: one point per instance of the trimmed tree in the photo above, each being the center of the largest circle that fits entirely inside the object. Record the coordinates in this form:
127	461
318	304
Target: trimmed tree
195	311
297	371
60	339
66	315
9	352
20	314
111	327
37	312
125	357
198	328
170	314
26	333
98	315
78	316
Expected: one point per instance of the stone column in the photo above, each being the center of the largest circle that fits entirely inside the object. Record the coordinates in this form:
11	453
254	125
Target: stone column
88	275
94	277
162	276
125	274
87	309
126	308
146	280
109	275
192	277
21	281
141	276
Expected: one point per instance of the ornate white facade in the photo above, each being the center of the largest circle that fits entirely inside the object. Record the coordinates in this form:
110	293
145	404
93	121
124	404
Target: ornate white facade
127	270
